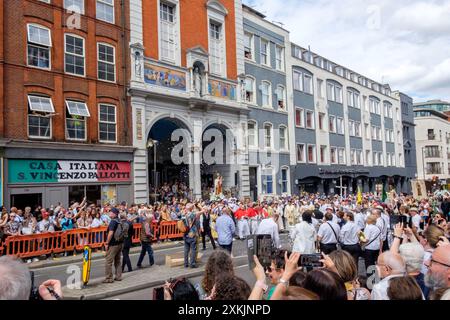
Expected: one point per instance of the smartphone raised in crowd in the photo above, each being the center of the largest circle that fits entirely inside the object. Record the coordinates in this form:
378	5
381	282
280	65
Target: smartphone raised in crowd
261	246
310	260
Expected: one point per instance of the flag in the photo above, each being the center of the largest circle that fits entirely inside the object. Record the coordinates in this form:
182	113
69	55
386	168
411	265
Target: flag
359	196
384	194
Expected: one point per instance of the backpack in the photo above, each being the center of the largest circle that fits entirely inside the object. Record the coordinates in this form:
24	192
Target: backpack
121	232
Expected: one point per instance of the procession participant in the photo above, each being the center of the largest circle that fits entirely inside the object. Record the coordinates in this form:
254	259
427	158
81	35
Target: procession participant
205	227
289	213
372	242
328	234
252	218
242	222
304	235
270	226
349	236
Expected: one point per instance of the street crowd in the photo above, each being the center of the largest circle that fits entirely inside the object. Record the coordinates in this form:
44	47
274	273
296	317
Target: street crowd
371	246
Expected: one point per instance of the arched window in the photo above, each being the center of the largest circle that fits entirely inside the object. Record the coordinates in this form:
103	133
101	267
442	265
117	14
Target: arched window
250	95
252	129
283	137
268	136
281	98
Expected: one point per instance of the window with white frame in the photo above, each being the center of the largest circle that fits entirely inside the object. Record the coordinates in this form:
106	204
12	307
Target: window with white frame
40	109
301	152
38	46
332	123
334	92
267	179
279	57
353	156
323	152
388	110
321	121
216	42
265	53
105	10
380	158
302	82
391	133
252	134
379	134
351	127
367	131
281	98
341	156
106	62
168	35
283	138
367	157
320	88
359	160
310	119
250	96
299	117
333	155
249	46
388	159
311	153
74	6
394	162
76	115
107	123
74	55
266	92
340	126
284	180
357	129
268	141
375	158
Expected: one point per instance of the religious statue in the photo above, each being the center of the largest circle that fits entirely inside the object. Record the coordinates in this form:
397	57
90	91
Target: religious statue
218	185
137	64
197	82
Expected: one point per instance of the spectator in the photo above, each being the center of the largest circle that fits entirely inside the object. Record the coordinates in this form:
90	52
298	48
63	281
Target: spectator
431	237
389	265
180	290
12	227
404	288
298	293
326	284
230	287
146	237
127	242
304	235
29	223
297	279
67	223
276	270
225	228
45	225
15	282
190	236
114	244
438	275
205	228
219	262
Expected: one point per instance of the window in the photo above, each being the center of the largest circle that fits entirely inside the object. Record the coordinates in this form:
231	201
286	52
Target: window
279	58
106	62
252	134
168	38
359	157
380	158
284	180
74	55
266	90
321	121
39	44
311	153
340	126
302	82
299	116
268	136
300	152
332	124
320	88
323	150
432	152
375	158
281	98
353	99
367	157
367	130
353	156
387	136
248	46
216	48
265	59
351	126
107	123
388	159
74	6
341	155
388	110
334	92
333	155
374	106
267	179
76	120
39	117
105	10
309	119
283	138
250	90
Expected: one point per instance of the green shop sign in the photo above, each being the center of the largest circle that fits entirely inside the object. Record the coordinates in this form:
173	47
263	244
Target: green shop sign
32	171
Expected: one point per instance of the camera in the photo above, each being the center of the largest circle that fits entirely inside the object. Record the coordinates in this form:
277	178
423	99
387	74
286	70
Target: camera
261	246
311	260
158	293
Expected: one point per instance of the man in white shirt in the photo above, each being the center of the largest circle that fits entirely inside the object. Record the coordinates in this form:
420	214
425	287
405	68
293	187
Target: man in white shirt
381	223
389	265
328	234
415	217
360	219
270	226
349	236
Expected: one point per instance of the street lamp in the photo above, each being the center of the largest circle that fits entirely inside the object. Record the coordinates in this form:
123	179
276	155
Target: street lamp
153	143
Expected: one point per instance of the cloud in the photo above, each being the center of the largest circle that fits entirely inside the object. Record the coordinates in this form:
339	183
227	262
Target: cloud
405	43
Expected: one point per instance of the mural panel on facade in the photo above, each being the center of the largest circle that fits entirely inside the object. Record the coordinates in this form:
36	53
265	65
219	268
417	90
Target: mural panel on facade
165	77
222	90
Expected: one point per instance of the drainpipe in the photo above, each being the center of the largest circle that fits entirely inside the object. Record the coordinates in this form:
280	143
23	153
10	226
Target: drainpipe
125	57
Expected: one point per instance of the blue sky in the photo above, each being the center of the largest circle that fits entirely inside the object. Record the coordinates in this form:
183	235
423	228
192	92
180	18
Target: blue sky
405	43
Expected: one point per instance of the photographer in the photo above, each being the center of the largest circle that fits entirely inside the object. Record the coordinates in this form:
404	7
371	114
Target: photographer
16	284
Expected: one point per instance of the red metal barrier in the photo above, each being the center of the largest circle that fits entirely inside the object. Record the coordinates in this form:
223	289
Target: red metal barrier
169	230
28	246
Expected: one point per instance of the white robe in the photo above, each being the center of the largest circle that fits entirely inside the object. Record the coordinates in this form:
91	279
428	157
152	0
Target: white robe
304	236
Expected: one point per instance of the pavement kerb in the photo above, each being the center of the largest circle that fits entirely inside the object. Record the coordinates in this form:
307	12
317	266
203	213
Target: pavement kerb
95	256
136	287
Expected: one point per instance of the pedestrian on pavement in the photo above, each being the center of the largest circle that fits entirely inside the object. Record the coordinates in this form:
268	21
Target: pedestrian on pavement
225	230
146	237
127	242
114	244
205	228
190	236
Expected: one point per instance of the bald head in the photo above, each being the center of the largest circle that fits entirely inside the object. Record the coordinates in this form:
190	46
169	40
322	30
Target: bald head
438	275
391	264
442	254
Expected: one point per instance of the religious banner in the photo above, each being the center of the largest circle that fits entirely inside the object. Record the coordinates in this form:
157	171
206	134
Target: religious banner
419	189
64	171
222	90
164	77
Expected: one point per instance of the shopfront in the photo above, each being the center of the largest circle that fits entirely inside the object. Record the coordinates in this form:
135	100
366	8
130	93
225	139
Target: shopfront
32	182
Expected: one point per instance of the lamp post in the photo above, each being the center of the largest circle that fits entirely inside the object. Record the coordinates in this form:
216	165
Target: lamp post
153	143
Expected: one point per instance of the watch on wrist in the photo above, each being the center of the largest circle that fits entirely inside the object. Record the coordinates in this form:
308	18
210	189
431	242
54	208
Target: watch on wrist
284	282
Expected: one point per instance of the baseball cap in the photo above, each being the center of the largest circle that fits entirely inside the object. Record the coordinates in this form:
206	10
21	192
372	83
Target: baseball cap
115	210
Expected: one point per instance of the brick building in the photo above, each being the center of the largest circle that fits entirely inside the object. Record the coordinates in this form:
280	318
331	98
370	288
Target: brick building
64	128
